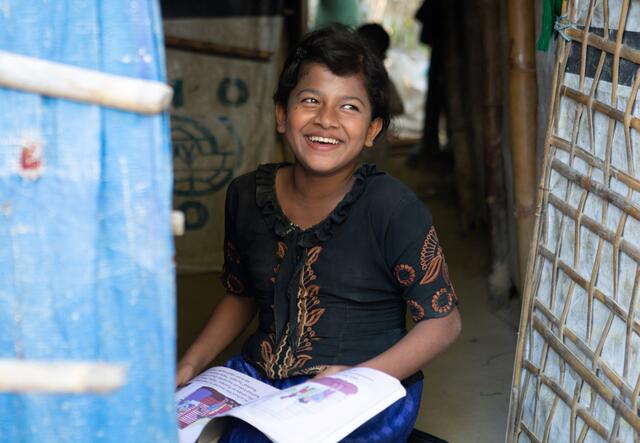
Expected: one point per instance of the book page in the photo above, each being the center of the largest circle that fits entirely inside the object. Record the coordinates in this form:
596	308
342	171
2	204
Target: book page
322	410
212	393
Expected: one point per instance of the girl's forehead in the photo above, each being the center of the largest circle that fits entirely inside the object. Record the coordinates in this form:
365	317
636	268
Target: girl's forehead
320	76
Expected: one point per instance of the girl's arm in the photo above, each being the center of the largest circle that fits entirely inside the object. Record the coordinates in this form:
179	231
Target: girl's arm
422	344
229	318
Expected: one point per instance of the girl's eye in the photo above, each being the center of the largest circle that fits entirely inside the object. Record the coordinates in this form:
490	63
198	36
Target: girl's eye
309	100
350	107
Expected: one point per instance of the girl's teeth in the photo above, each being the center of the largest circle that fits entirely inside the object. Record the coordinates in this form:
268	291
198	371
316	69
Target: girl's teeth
315	138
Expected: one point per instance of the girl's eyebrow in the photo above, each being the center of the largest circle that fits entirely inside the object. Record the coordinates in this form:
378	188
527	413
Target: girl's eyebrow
308	91
316	92
353	97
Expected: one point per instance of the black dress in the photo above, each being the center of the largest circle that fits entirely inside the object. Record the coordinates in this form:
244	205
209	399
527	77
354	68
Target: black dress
335	293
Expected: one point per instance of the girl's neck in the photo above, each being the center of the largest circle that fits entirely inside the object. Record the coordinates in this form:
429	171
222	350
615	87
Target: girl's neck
307	199
313	187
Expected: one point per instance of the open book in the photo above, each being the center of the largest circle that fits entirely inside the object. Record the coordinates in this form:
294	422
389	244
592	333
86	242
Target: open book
322	410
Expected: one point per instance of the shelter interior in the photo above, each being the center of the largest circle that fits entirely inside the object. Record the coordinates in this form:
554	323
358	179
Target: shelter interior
458	162
518	133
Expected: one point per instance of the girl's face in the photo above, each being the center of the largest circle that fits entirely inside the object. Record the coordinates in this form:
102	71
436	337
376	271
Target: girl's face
327	122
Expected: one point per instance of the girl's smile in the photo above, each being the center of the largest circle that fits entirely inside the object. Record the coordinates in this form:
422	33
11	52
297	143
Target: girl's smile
327	122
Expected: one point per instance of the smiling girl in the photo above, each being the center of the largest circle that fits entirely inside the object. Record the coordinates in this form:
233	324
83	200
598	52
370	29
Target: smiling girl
330	253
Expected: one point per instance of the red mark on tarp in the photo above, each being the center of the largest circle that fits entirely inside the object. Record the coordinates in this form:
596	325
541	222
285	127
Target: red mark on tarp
31	160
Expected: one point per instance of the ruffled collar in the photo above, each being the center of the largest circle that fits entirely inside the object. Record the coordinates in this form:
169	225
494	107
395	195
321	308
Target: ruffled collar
276	219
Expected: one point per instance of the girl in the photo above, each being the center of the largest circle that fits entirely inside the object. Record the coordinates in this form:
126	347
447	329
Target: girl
327	252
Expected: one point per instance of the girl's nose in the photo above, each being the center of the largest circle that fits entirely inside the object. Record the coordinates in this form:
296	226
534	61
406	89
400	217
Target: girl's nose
327	117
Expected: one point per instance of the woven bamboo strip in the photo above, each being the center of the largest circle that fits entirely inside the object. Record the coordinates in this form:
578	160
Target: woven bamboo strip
598	106
599	189
591	355
588	158
567	399
594	382
552	412
595	227
607	171
604	44
530	434
599	295
579	113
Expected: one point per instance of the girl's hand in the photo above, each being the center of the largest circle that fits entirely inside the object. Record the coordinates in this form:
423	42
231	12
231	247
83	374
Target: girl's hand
184	373
330	370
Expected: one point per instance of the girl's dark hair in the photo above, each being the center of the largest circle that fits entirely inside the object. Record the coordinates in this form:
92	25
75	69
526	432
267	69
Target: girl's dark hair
345	53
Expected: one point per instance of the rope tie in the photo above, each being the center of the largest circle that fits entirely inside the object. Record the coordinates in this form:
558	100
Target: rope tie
563	23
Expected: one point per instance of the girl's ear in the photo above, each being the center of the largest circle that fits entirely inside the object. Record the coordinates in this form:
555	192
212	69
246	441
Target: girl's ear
281	118
374	129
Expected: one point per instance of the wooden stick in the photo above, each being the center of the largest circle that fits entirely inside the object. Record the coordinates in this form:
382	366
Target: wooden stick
529	434
613	113
85	85
588	158
209	48
598	189
60	376
177	223
604	44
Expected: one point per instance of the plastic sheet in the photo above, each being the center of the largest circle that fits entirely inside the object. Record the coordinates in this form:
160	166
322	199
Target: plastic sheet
86	253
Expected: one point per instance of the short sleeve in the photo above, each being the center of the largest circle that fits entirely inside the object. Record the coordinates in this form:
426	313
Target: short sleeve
417	261
234	275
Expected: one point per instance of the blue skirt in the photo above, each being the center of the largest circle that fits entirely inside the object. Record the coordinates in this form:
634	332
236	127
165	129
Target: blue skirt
393	425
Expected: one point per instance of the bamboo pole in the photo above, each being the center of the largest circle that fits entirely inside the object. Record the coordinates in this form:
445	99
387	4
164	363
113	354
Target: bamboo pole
86	85
217	49
522	117
514	423
60	376
499	282
473	75
458	134
178	223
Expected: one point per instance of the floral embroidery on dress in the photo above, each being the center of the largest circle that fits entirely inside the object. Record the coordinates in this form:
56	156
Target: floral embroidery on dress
431	257
282	250
269	357
442	301
405	274
234	285
417	311
283	362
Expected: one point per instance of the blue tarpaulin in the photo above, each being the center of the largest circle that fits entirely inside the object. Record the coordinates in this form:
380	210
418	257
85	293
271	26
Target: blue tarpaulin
86	253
